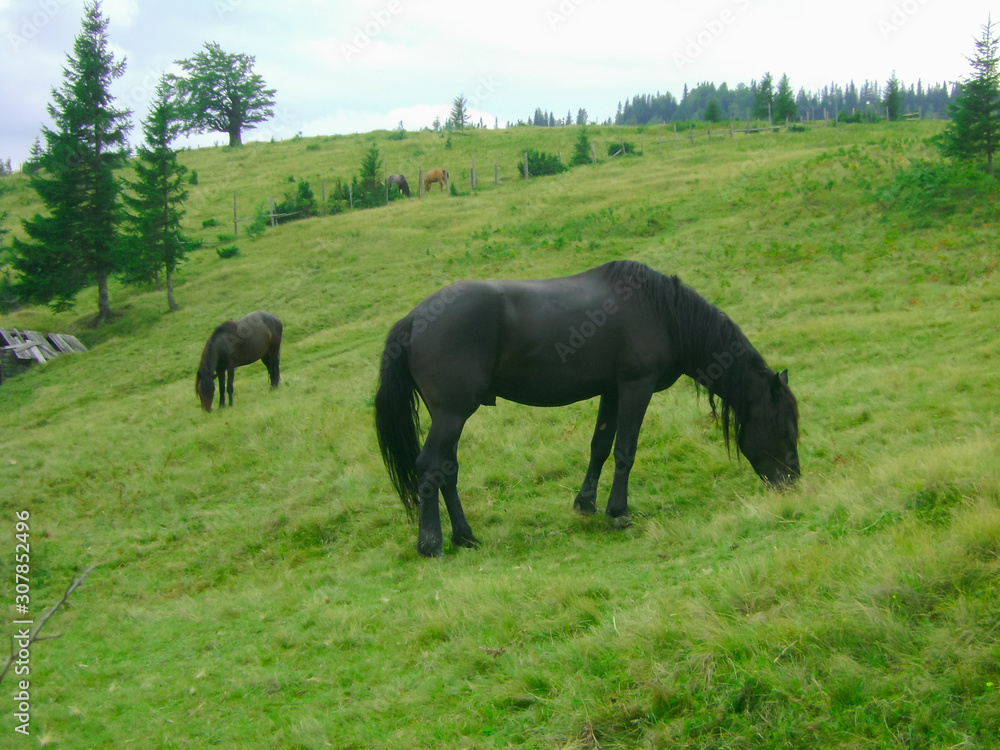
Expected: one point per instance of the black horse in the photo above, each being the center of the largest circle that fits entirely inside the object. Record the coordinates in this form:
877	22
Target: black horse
234	344
621	331
400	181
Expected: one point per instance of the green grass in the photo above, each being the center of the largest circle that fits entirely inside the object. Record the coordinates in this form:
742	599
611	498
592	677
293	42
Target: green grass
258	583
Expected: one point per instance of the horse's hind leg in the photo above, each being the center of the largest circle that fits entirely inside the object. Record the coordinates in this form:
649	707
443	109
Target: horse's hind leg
600	449
437	469
270	360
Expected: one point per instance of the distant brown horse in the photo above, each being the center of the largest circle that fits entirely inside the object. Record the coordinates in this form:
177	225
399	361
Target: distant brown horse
234	344
435	175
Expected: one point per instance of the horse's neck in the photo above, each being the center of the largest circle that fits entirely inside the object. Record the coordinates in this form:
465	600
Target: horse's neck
222	351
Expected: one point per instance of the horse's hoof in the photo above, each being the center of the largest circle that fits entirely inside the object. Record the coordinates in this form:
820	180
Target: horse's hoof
469	541
621	522
430	549
585	508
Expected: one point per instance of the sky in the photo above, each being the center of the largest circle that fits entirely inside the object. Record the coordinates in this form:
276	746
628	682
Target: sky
352	67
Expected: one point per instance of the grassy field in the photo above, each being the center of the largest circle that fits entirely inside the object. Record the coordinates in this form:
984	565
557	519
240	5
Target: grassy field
257	582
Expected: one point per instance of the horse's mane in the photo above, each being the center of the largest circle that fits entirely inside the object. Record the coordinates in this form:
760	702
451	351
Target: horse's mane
714	351
210	354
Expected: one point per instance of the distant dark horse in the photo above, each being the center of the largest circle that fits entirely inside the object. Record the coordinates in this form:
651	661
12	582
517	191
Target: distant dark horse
435	175
234	344
400	181
621	331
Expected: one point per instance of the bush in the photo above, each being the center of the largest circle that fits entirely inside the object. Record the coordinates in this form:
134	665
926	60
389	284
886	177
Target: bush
541	164
230	251
927	190
209	223
614	149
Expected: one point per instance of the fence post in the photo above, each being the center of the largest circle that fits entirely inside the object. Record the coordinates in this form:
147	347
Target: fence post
420	184
273	223
593	154
691	133
730	127
350	197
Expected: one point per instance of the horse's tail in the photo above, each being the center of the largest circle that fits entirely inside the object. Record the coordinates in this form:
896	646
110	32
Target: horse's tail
397	419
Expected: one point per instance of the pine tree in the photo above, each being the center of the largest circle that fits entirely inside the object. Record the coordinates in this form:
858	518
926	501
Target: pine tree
974	130
581	151
156	197
459	117
712	111
763	98
784	102
892	99
78	242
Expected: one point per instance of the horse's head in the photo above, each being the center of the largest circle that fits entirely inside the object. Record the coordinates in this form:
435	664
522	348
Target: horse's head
769	432
204	387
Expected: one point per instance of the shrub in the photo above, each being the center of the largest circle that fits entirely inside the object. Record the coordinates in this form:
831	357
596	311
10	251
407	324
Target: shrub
230	251
615	149
541	164
209	223
926	190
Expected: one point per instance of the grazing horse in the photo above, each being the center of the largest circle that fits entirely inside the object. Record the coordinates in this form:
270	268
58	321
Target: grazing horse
435	175
234	344
400	181
621	331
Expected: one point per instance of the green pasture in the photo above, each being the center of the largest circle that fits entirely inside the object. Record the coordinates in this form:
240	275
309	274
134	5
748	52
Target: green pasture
257	582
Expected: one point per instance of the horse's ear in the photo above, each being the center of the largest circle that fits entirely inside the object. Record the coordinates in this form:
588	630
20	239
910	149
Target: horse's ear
779	379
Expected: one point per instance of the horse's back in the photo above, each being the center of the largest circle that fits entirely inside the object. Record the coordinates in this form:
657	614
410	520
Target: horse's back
540	342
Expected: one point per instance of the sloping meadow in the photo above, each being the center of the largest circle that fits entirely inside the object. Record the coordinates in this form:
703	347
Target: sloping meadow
257	583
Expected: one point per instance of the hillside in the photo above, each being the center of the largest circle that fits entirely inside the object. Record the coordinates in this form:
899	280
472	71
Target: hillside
257	582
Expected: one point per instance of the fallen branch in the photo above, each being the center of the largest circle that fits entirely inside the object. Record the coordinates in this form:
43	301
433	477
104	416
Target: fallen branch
45	618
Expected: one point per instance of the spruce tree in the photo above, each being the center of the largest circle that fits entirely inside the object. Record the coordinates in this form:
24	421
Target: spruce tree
155	198
784	102
974	130
581	151
459	117
763	98
893	98
77	243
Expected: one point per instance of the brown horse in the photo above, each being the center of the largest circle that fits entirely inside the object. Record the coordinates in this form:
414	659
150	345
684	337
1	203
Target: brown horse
234	344
436	175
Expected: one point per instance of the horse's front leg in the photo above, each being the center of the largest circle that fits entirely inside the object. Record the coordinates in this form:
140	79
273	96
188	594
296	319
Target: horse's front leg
600	449
633	399
231	372
221	374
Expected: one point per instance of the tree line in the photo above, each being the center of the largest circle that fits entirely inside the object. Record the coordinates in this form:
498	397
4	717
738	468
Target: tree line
98	224
706	101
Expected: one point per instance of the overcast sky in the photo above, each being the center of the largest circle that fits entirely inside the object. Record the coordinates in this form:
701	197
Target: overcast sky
346	67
